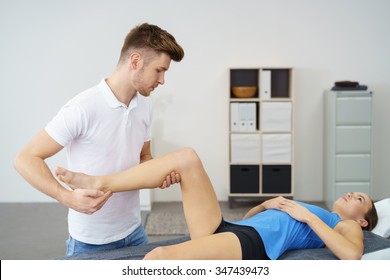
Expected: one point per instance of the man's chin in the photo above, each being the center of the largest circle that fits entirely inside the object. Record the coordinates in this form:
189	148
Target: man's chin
146	94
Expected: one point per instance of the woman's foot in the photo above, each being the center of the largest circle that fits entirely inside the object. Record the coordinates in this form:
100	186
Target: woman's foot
75	179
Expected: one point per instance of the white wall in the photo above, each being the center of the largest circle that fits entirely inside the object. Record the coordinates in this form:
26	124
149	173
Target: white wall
51	50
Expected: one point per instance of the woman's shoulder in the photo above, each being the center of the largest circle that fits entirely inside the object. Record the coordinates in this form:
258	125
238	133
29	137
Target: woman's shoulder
345	226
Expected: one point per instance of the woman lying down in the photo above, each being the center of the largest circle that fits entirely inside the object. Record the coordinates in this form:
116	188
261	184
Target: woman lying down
265	232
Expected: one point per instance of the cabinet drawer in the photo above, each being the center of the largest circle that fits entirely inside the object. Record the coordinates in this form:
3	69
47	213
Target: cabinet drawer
353	139
353	110
344	188
353	168
244	179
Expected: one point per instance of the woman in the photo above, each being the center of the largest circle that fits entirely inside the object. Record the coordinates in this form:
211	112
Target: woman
266	231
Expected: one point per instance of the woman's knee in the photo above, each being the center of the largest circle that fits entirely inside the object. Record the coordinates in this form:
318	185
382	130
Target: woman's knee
187	157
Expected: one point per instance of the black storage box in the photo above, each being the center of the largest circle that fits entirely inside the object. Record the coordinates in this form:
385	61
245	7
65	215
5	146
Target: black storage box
244	179
276	179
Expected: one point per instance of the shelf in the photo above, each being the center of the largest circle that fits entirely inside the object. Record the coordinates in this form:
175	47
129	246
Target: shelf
261	158
244	99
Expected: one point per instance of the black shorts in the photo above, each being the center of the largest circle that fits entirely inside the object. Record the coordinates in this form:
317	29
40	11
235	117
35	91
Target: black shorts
252	246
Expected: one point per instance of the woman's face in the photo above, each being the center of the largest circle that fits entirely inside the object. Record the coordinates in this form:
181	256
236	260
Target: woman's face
353	205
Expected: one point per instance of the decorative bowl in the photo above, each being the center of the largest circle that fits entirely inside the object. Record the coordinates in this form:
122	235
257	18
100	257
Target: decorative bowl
244	92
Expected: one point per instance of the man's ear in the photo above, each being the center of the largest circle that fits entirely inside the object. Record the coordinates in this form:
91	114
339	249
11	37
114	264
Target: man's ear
362	222
135	60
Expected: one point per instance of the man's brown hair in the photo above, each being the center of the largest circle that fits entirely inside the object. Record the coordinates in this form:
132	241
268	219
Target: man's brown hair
151	37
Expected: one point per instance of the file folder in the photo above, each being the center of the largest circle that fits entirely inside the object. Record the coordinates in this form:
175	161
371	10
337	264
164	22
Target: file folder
243	125
266	84
251	116
234	117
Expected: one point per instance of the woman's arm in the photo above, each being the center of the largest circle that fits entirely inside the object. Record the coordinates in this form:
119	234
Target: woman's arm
345	240
257	209
268	204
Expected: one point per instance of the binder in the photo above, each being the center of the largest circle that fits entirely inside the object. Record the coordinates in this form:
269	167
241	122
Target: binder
266	84
251	116
234	117
243	123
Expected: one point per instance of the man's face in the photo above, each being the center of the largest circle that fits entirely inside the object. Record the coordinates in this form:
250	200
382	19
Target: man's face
151	73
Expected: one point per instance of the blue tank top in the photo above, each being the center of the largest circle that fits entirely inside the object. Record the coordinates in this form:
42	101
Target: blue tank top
280	232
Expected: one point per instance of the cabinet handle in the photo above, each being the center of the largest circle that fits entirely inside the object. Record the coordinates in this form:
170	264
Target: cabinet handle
275	169
244	169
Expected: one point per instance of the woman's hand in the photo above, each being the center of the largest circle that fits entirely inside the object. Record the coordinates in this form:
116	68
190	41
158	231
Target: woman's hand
273	203
290	207
296	211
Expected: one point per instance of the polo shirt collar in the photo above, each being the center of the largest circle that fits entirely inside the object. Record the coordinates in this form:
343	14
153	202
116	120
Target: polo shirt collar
111	99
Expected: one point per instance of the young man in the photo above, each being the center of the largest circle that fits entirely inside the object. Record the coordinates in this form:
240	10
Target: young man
105	129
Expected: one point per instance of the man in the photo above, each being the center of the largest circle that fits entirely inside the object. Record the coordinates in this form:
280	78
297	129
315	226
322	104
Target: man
105	129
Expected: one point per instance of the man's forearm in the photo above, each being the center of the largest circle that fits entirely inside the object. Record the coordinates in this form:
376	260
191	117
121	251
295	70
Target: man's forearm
36	172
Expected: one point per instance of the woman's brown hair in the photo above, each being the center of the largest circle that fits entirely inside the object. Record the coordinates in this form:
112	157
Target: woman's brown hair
371	217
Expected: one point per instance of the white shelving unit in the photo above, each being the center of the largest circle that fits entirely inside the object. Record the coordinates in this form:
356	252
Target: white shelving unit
261	134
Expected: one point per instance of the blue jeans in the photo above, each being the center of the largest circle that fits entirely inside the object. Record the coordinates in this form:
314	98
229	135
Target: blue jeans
137	237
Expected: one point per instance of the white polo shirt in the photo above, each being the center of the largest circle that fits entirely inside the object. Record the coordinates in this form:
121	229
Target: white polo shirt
103	136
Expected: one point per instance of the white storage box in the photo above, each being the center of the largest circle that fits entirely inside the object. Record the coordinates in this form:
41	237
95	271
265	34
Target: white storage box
276	117
245	148
276	148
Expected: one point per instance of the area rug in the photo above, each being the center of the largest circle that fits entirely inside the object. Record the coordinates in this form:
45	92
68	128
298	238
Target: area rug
160	223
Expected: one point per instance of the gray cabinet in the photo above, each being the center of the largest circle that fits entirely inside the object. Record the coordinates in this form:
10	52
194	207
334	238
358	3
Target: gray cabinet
347	143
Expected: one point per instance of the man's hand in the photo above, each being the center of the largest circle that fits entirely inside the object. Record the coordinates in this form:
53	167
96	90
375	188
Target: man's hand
172	178
87	201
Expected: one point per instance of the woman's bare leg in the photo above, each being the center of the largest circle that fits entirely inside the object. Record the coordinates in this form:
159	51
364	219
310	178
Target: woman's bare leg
201	208
221	246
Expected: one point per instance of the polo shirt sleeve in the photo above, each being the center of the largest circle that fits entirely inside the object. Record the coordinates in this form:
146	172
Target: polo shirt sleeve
67	125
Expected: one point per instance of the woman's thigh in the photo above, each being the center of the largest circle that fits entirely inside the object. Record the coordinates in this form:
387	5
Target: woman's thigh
220	246
201	207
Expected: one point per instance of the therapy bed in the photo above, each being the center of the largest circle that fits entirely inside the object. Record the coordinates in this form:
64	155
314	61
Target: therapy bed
376	245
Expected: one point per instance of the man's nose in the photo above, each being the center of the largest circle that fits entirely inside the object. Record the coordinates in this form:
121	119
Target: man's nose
161	80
